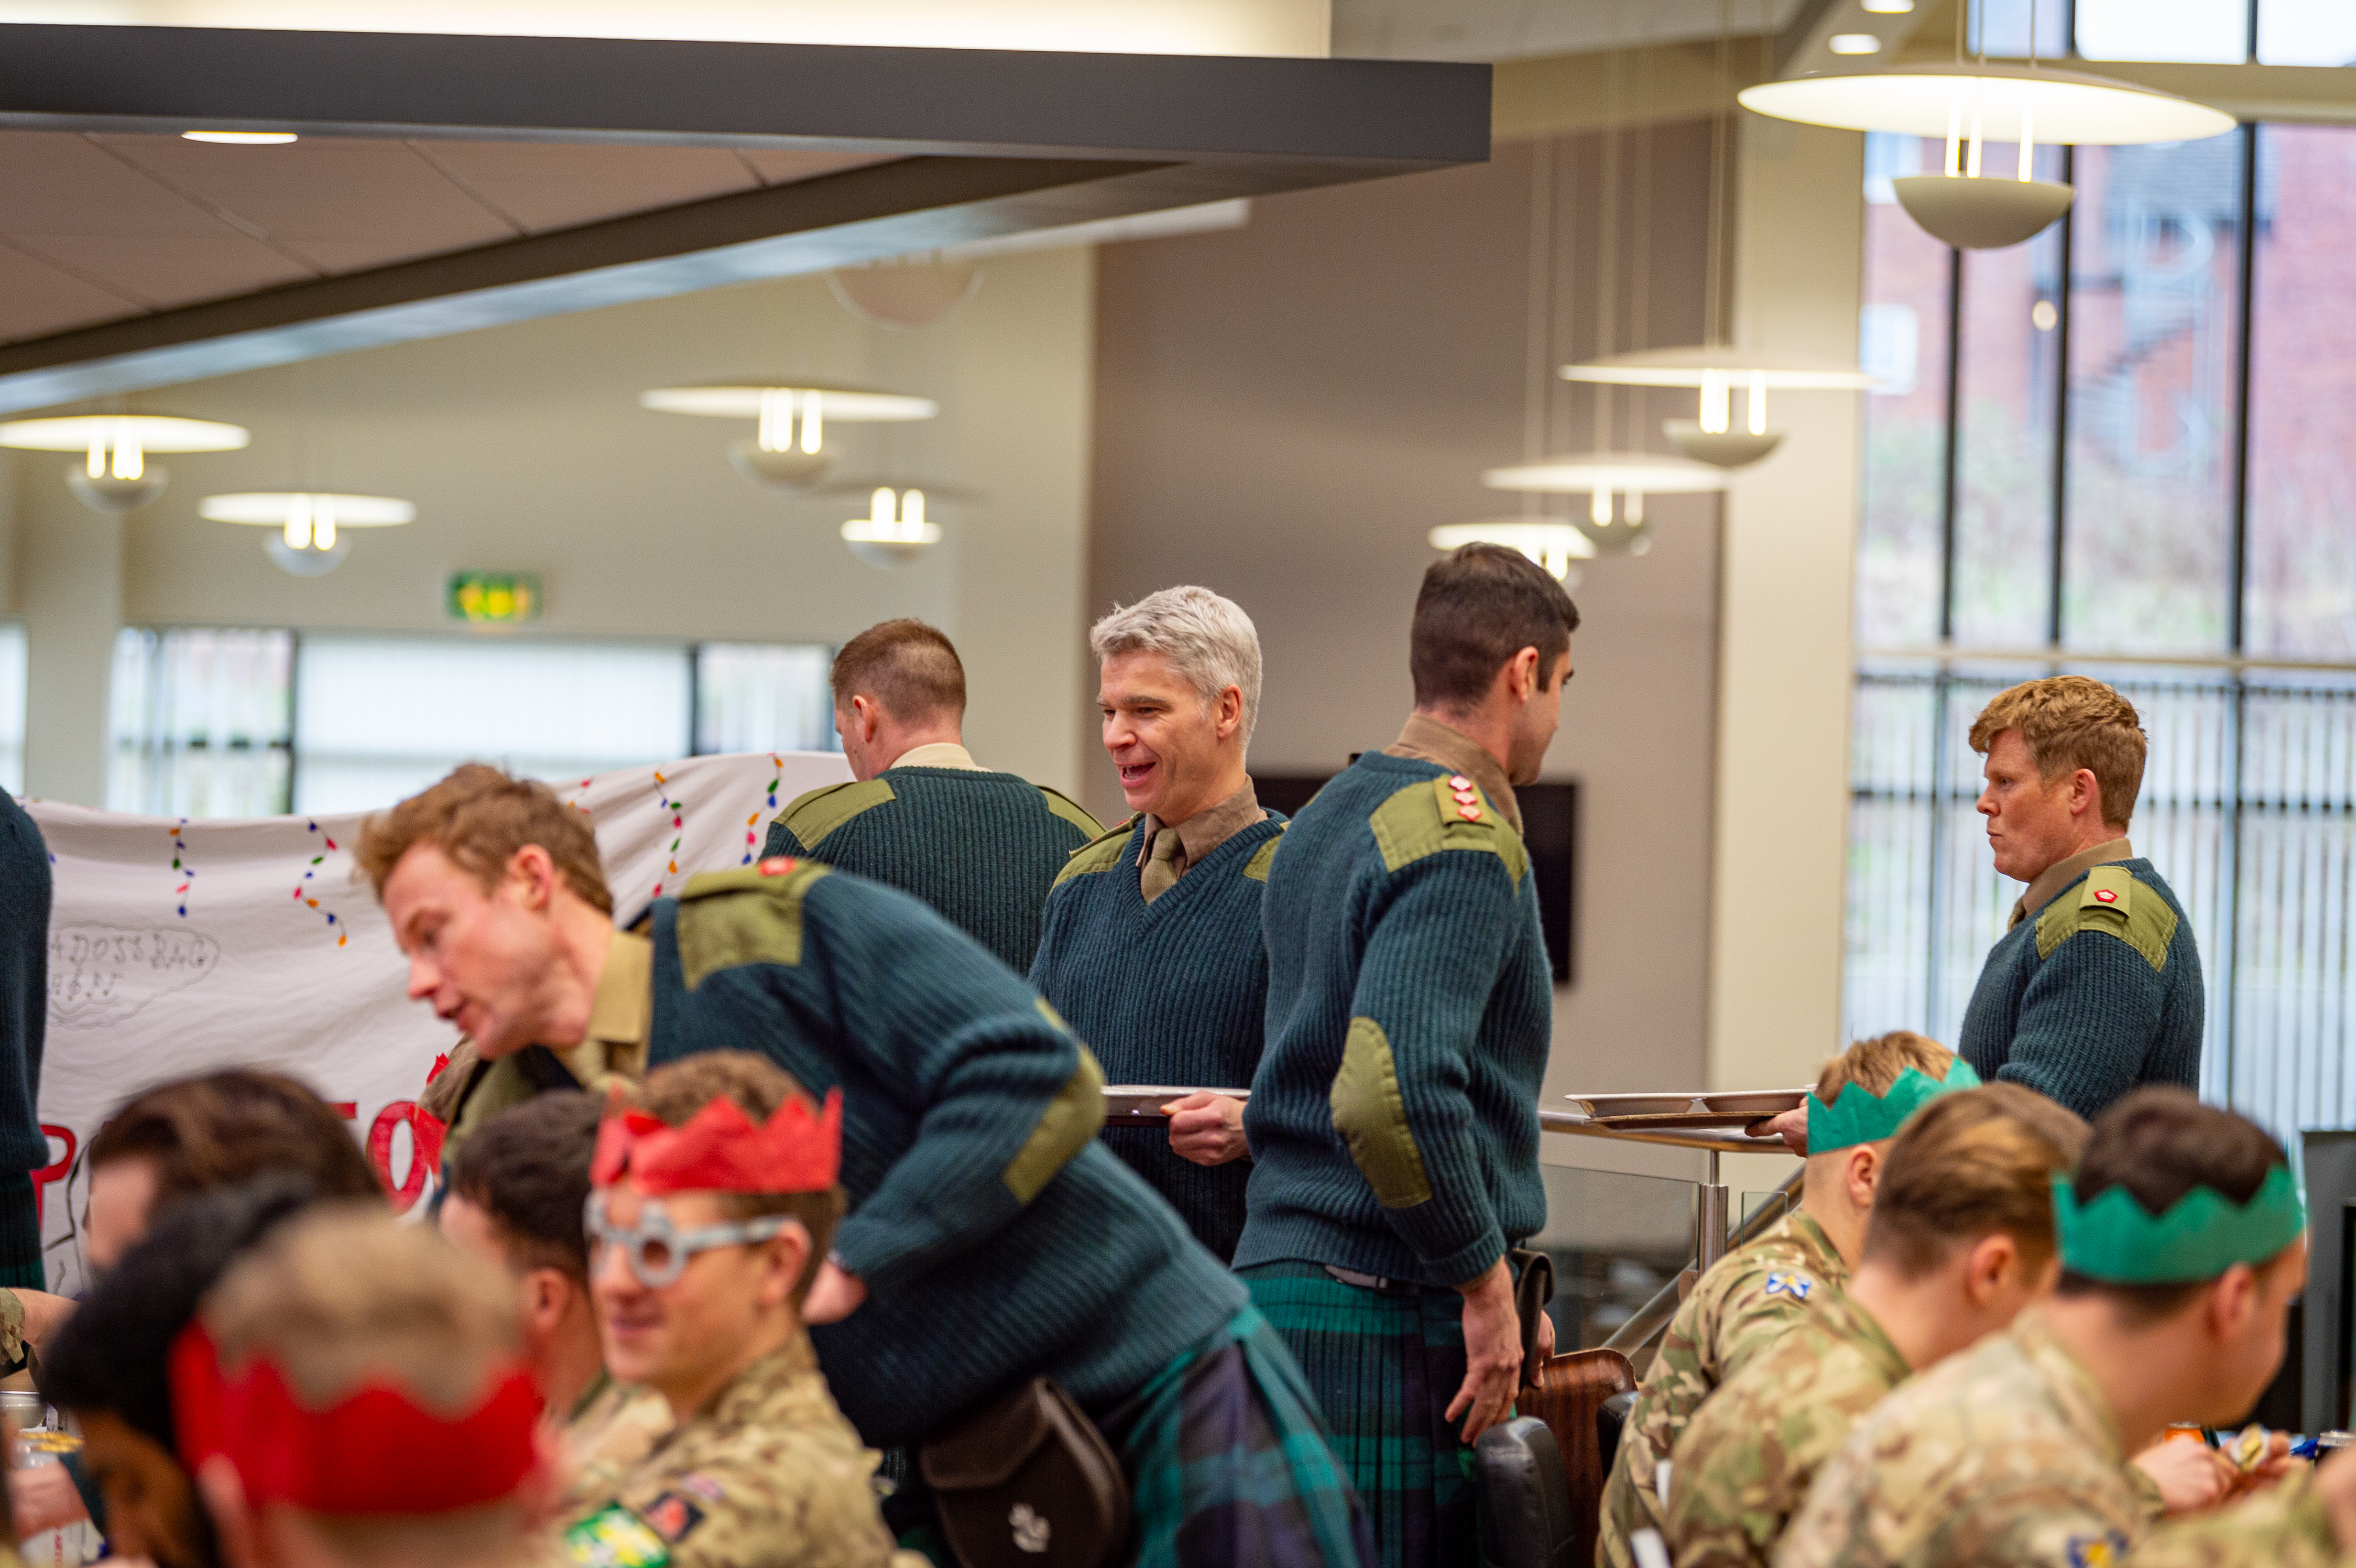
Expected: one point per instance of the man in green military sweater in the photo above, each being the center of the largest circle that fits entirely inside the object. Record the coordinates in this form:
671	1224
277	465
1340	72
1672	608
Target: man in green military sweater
1394	1121
990	1239
981	848
1151	946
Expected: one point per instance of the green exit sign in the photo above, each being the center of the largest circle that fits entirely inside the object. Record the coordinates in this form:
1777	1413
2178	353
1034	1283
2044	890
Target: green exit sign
494	598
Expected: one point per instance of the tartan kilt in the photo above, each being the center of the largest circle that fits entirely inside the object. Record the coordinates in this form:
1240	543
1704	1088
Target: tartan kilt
1384	1368
21	1266
1230	1462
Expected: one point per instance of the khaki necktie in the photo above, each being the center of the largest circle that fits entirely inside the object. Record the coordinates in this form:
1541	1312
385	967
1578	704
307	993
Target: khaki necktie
1162	871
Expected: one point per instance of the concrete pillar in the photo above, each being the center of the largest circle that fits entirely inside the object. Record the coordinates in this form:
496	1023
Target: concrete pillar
1785	653
1022	401
68	583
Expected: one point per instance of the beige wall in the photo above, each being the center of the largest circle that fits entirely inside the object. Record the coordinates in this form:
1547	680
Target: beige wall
524	448
1283	411
1785	654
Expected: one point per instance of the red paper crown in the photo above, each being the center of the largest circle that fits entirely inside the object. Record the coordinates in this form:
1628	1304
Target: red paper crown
720	1149
375	1451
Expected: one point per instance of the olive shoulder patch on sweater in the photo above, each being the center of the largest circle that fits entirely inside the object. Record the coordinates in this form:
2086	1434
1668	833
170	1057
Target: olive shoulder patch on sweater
1256	869
1061	805
748	916
2110	901
810	817
1102	853
1425	819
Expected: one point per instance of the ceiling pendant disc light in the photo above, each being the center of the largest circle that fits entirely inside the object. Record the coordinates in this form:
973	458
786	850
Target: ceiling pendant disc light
308	527
790	450
895	532
1968	106
115	476
904	291
1602	475
1717	372
1551	542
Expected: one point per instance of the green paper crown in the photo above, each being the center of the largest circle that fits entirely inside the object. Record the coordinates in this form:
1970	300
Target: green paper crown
1859	1115
2114	1239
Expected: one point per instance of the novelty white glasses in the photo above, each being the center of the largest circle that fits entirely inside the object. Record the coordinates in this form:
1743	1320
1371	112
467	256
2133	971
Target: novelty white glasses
658	1251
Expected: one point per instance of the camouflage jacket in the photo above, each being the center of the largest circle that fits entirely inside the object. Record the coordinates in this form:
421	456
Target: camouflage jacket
768	1474
1749	1300
2283	1527
1744	1465
2003	1456
605	1437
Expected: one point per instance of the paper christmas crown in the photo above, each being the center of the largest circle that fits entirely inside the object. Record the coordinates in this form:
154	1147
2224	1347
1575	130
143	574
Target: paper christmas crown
2112	1237
1859	1115
375	1451
721	1150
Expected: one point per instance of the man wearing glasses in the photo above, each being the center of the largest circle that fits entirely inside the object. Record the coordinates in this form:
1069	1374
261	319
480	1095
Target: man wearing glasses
714	1201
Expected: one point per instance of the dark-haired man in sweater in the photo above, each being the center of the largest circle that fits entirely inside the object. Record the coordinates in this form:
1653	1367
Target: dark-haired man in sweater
1152	943
1393	1120
989	1240
981	848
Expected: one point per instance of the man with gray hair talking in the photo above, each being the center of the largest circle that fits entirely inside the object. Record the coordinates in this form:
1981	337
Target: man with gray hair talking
1151	946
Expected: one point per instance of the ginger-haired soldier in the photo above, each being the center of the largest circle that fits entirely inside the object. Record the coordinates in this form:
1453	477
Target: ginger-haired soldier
2095	987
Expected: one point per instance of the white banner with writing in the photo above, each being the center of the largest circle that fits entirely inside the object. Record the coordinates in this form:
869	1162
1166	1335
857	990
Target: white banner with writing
178	946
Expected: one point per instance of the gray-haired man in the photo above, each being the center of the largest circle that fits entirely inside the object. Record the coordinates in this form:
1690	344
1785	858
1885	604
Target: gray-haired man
1151	946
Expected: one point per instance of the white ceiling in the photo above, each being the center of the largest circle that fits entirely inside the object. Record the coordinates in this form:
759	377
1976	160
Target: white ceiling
1514	29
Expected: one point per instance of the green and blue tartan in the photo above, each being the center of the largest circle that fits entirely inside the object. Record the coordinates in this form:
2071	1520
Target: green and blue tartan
1230	1462
1383	1368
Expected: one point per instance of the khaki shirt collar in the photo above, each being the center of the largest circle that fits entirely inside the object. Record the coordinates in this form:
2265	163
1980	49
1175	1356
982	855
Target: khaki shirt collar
1425	738
748	1396
1206	829
621	1016
2076	1395
938	754
2061	873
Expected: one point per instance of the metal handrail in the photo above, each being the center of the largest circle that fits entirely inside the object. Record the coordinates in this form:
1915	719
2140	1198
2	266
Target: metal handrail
1646	1322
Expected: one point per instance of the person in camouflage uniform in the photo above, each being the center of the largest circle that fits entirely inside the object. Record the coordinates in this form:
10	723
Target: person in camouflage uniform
1754	1294
715	1199
2183	1241
1961	1238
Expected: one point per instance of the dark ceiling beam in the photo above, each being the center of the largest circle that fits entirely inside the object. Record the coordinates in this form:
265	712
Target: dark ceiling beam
991	142
966	102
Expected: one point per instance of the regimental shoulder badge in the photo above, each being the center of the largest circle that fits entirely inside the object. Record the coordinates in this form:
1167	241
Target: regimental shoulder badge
1798	1286
614	1537
2107	1550
672	1515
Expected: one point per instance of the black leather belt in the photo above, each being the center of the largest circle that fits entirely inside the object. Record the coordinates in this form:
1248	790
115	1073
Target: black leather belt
1382	1286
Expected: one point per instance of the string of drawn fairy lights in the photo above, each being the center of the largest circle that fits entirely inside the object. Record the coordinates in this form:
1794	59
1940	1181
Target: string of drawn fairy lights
310	896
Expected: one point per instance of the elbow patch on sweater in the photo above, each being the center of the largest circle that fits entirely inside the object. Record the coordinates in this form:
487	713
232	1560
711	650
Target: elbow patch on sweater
749	916
2109	901
812	817
1426	819
1371	1117
1070	1120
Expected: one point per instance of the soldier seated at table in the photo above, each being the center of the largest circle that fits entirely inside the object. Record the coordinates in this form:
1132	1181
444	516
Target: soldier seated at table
1960	1239
350	1397
715	1201
2183	1240
515	1199
1757	1293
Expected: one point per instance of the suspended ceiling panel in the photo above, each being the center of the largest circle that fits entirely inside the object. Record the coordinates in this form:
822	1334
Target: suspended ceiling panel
442	183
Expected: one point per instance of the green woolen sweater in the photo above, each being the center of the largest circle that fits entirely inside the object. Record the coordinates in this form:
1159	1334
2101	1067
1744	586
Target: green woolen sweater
2093	995
1394	1119
24	986
998	1240
982	849
1172	992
